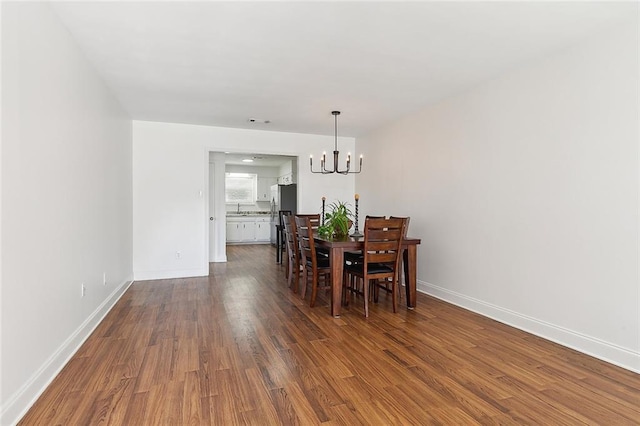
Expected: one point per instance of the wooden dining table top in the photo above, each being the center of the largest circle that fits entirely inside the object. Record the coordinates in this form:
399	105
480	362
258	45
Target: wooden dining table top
352	242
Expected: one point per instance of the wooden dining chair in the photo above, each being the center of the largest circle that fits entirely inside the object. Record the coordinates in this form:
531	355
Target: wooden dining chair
381	257
385	284
293	252
294	266
314	265
315	223
354	285
281	245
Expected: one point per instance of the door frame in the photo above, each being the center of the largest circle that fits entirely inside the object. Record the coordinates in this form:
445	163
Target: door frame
219	215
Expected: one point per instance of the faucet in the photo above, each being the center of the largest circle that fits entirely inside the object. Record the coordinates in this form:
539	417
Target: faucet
238	208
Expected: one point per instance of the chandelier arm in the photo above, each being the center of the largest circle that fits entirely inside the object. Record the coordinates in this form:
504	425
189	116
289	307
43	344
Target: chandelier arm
311	165
359	166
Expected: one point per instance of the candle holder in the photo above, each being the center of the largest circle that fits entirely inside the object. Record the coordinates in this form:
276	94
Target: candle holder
356	232
323	200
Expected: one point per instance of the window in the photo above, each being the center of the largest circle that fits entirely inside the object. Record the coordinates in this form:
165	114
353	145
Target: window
240	188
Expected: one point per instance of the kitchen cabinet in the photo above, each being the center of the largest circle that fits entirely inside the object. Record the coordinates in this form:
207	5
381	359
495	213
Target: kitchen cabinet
248	229
263	231
287	172
264	188
233	231
287	179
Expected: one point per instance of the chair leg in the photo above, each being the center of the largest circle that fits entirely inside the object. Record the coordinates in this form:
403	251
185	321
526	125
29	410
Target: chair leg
303	288
394	292
289	274
296	277
365	288
314	289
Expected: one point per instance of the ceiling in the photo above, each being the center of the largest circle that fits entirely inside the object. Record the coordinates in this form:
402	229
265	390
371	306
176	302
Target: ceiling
222	63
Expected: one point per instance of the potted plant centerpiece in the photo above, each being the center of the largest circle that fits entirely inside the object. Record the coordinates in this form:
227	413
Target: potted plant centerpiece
337	221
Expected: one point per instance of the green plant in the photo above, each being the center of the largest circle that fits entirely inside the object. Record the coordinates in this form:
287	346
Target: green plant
337	220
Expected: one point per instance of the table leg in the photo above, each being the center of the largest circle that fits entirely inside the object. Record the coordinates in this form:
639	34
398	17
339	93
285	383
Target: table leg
336	257
410	272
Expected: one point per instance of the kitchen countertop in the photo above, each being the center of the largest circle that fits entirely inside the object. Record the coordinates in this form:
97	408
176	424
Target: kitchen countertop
245	214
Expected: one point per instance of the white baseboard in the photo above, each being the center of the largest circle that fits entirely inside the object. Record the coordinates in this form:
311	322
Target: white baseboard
20	402
597	348
163	275
220	259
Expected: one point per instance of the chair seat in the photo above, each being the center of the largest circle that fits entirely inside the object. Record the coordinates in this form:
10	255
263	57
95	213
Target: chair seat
373	268
353	257
321	251
322	261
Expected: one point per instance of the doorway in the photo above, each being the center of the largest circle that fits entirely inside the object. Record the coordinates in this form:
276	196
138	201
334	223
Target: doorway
279	168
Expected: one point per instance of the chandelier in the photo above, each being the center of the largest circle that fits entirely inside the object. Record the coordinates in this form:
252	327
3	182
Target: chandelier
323	160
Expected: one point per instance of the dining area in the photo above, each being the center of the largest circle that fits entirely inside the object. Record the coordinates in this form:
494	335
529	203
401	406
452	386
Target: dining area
329	251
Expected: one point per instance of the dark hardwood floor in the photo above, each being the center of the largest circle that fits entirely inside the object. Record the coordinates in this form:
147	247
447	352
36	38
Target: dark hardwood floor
239	347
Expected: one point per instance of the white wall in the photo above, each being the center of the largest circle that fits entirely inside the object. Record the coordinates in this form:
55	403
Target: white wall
525	194
66	201
170	163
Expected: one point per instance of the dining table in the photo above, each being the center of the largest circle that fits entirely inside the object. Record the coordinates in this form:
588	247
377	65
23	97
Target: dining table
337	246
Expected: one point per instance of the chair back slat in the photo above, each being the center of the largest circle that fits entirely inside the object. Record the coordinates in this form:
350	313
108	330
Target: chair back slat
385	234
382	258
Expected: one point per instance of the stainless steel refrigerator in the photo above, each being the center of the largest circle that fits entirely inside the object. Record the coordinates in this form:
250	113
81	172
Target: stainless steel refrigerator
283	197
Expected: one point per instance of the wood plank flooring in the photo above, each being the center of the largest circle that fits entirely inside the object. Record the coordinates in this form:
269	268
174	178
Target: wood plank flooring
238	347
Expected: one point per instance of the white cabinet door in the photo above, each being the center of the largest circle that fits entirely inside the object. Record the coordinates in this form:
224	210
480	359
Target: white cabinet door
234	233
248	231
263	230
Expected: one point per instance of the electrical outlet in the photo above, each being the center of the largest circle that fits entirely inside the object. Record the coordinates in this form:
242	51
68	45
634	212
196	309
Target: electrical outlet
83	289
178	255
104	278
